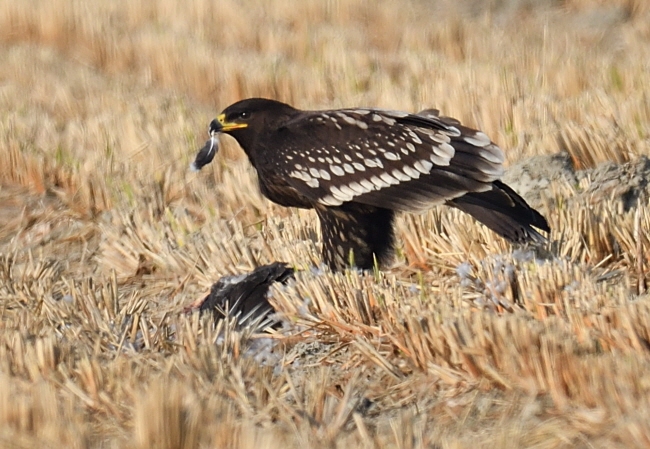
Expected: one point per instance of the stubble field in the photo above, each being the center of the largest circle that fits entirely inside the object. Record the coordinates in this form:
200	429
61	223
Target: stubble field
106	238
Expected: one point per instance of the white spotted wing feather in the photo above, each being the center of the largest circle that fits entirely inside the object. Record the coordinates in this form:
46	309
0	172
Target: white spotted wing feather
384	158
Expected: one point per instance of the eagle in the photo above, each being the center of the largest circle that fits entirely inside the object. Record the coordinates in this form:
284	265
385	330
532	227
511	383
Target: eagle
358	167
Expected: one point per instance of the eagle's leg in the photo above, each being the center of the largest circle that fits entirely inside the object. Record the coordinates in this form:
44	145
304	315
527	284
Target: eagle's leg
356	234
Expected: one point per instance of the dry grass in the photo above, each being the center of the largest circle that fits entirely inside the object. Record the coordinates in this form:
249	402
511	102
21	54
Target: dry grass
105	237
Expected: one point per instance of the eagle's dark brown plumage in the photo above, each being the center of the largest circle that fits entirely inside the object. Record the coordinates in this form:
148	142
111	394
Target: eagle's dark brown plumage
357	167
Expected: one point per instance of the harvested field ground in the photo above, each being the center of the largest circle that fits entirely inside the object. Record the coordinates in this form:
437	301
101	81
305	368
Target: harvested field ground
106	238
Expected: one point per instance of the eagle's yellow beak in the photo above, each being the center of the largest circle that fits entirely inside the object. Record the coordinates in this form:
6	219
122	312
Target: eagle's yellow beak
221	125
